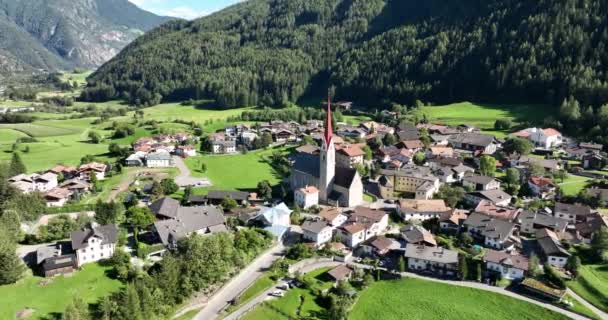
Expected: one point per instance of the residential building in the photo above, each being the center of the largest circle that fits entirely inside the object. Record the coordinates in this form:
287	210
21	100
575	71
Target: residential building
362	225
216	197
510	267
497	197
159	160
504	213
57	197
409	180
574	213
593	161
52	261
318	232
277	219
551	249
306	197
35	182
418	235
542	187
380	246
340	273
542	138
349	156
452	220
436	260
333	216
495	233
532	221
185	221
223	146
96	168
593	224
477	143
352	234
421	209
94	243
135	160
480	183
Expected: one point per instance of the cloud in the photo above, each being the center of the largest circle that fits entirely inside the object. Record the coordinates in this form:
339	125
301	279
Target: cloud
161	7
183	12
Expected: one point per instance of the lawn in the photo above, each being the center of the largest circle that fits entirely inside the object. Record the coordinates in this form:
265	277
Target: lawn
90	284
38	130
572	185
419	299
169	112
236	172
592	285
9	136
483	116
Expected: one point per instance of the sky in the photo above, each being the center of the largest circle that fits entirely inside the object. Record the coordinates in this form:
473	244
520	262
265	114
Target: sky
187	9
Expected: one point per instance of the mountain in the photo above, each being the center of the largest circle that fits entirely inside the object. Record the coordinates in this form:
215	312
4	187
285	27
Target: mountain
60	34
272	52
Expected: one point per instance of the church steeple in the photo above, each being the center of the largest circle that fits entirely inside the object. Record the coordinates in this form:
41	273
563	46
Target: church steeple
328	127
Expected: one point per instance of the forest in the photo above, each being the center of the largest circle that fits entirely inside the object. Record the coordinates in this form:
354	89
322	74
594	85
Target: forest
277	52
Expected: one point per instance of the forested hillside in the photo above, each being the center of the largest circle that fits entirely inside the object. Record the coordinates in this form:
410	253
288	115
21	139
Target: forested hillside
270	52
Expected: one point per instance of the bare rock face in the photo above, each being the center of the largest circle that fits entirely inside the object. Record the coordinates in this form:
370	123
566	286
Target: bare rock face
60	34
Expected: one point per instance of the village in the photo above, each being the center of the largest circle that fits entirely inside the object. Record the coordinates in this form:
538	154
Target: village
446	202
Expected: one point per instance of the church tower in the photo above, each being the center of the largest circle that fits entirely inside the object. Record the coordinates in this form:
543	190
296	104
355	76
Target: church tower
328	158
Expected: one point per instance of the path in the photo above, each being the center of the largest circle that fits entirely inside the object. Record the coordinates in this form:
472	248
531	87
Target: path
130	176
240	283
264	296
185	177
598	312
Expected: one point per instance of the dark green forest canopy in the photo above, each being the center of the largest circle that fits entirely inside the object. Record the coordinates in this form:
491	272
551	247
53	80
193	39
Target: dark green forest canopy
271	52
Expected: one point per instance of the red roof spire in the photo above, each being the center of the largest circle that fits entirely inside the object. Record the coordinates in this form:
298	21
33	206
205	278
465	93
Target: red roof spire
328	128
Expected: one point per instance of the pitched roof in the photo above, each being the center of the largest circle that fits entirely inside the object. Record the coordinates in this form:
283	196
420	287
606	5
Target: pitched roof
308	148
382	243
551	132
490	209
575	209
345	177
366	215
167	207
276	214
309	190
479	179
315	226
593	224
506	259
222	194
434	254
421	206
494	196
351	151
58	193
417	234
542	182
189	220
329	214
340	272
550	244
543	220
353	228
474	139
490	227
455	216
108	235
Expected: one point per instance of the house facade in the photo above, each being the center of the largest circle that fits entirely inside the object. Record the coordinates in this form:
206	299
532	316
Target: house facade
306	197
436	260
511	267
94	244
317	232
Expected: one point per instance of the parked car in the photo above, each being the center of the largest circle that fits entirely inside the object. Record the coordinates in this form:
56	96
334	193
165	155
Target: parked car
283	286
277	293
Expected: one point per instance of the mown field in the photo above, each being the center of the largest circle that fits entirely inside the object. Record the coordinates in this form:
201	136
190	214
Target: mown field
90	284
418	299
483	116
592	285
572	185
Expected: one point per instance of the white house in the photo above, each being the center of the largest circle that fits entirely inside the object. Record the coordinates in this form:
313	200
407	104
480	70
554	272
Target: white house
317	231
551	248
352	234
421	210
276	219
333	216
511	267
306	197
57	197
542	138
96	168
159	160
35	182
437	260
94	244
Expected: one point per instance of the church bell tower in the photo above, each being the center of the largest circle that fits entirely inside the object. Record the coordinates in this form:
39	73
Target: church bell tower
328	158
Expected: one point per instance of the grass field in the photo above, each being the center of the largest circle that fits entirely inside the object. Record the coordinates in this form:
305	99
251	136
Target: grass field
9	136
287	307
483	116
418	299
572	185
240	171
90	284
592	285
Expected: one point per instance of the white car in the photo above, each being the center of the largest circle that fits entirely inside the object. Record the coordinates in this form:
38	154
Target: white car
277	293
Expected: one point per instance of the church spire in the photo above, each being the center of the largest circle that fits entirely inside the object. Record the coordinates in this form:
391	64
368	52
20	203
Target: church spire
328	127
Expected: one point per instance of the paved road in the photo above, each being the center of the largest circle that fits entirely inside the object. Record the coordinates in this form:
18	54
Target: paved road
240	283
264	296
600	313
185	177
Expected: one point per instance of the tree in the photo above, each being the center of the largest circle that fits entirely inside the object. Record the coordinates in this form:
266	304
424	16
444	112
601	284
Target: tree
419	158
109	212
94	137
11	223
264	190
138	218
463	268
389	139
554	277
518	145
368	156
502	124
266	139
203	167
187	194
451	194
299	251
465	239
229	204
206	144
169	186
76	310
401	264
11	267
599	242
560	175
487	166
534	266
536	170
512	181
295	215
16	165
573	265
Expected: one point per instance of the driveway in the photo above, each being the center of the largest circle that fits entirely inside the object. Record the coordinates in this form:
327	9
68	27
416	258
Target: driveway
240	283
185	177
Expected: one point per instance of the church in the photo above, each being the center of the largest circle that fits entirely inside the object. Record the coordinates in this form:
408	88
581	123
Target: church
338	186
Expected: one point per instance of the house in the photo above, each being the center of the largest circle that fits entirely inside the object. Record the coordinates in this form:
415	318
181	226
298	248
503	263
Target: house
380	246
66	172
352	234
159	160
185	151
76	186
600	194
495	233
96	168
593	161
57	197
94	243
452	220
477	143
497	197
333	216
490	209
510	267
542	138
223	146
593	224
306	197
52	261
542	187
532	221
418	235
340	273
551	248
415	180
216	197
435	260
135	160
349	156
362	225
574	213
318	232
413	145
550	165
186	221
284	135
480	183
421	209
277	219
440	151
35	182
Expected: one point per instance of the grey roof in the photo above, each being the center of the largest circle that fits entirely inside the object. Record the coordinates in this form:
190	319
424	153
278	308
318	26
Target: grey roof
507	259
207	219
494	196
434	254
417	234
543	220
575	209
108	234
166	207
220	195
158	156
315	226
408	135
549	243
410	171
461	168
475	139
490	227
478	179
344	177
